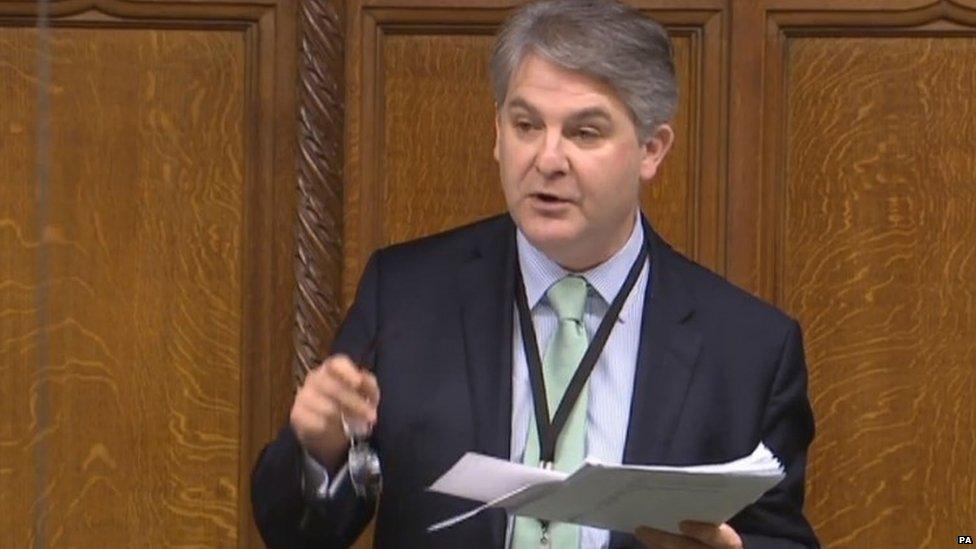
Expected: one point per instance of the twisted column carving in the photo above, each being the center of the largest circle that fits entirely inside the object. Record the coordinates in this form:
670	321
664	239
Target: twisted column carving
318	261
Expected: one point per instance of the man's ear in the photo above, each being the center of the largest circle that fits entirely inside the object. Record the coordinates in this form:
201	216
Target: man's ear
498	129
655	150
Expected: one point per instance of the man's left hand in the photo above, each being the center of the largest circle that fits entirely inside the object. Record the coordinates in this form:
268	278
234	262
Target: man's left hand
696	535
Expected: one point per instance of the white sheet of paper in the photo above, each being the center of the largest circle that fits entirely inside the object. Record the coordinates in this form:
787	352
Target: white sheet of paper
485	478
615	497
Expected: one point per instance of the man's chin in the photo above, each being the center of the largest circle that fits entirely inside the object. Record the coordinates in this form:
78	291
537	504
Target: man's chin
551	236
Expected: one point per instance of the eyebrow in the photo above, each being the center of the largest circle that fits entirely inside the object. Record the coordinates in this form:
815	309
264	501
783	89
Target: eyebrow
582	114
591	112
519	103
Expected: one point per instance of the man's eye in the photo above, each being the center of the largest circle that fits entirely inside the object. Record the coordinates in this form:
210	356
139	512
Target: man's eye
587	134
523	125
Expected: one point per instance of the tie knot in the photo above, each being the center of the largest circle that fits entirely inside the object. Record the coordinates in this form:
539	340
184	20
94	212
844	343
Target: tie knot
568	297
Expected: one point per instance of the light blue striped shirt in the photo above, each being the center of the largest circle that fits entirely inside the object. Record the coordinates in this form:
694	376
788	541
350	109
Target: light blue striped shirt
612	380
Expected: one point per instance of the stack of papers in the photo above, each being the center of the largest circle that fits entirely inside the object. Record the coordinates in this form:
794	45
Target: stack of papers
614	497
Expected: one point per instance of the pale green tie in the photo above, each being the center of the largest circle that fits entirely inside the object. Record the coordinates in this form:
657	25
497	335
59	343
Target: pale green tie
567	297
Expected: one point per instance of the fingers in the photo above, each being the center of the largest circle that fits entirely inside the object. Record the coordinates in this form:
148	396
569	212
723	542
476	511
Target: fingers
696	534
337	389
722	535
321	408
353	391
354	378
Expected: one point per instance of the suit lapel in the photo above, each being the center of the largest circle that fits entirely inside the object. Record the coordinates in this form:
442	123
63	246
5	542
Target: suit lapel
665	360
665	363
486	286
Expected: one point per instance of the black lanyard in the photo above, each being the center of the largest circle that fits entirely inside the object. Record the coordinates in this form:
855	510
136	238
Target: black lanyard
549	431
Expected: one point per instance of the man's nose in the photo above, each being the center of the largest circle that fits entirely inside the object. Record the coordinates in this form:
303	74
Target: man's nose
551	161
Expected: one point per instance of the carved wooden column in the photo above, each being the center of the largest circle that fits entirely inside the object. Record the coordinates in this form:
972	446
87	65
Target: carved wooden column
318	260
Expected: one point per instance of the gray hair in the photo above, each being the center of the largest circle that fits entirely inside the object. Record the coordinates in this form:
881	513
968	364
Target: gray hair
604	39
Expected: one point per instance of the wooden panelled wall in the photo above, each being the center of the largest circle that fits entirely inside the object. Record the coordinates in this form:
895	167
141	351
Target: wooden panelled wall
147	202
826	161
154	171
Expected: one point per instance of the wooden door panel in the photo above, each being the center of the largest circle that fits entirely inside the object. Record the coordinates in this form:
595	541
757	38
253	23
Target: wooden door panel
852	198
879	263
138	291
136	275
439	130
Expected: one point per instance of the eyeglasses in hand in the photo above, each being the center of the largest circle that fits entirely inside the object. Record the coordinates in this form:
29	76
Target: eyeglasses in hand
363	463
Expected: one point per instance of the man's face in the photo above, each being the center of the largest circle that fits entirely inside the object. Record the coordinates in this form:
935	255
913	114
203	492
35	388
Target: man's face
570	162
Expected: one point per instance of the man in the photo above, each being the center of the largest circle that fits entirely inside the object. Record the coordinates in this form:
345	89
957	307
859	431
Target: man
692	370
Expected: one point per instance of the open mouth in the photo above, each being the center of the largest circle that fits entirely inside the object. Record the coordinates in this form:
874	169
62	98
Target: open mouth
548	198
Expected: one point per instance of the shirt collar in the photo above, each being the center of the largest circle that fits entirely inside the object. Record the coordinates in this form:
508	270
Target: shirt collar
539	272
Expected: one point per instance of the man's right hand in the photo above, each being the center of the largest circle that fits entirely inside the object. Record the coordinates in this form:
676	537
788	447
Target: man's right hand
336	388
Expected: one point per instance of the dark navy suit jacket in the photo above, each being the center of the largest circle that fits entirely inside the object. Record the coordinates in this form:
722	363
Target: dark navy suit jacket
718	371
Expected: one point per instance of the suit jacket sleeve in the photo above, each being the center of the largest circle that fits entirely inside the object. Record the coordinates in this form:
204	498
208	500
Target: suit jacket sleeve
284	516
777	520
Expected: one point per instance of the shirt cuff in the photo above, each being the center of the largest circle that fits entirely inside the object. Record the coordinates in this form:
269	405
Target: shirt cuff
315	478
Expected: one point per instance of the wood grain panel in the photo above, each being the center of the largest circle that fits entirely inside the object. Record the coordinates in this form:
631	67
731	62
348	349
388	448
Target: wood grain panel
18	276
124	429
879	262
669	200
438	168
